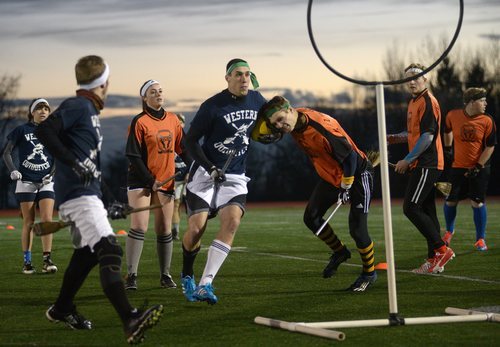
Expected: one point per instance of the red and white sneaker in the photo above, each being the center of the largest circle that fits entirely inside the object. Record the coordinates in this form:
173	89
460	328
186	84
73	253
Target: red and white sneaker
481	245
441	259
425	268
447	238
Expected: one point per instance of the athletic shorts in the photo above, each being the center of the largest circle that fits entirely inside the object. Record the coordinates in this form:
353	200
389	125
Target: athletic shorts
421	184
179	189
31	191
90	220
464	187
201	190
169	193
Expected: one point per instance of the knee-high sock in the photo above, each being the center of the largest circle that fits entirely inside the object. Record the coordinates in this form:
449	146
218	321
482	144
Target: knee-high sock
82	261
480	218
329	237
133	249
188	258
164	249
217	253
450	213
368	258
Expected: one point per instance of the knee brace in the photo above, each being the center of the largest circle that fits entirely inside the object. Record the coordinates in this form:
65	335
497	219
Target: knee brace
109	255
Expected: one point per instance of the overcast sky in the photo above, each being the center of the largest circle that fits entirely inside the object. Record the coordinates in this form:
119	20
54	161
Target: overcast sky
185	44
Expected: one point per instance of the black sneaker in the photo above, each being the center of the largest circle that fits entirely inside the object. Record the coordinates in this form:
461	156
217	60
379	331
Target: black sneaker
131	282
336	259
167	282
28	269
72	319
48	266
140	322
363	282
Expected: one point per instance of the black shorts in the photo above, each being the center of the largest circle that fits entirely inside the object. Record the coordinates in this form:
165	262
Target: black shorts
463	187
421	184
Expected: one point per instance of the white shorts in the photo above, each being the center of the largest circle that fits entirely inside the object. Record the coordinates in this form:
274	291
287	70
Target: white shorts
31	191
90	220
203	187
180	189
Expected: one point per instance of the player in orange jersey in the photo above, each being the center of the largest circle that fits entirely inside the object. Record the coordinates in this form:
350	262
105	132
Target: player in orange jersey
346	176
472	133
154	138
425	163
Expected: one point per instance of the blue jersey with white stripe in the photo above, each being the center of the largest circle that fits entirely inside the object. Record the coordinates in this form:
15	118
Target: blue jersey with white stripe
34	160
82	136
226	122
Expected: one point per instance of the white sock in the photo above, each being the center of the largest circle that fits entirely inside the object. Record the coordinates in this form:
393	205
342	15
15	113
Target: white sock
217	253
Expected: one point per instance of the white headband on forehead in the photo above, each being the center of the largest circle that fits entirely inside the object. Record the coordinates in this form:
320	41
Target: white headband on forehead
98	81
415	70
146	85
38	101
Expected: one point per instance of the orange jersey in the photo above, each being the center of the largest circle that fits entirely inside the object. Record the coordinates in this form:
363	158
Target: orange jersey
155	140
326	144
471	135
424	116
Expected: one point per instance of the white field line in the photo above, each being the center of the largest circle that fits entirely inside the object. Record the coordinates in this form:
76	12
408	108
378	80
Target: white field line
283	256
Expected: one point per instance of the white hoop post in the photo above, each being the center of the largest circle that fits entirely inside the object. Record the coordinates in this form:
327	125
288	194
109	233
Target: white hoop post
386	200
300	328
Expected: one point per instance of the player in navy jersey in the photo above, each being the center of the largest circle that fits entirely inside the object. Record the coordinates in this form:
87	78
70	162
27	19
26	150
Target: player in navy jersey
34	181
72	135
217	181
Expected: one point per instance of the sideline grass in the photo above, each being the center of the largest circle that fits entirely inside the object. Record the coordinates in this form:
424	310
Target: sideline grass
273	271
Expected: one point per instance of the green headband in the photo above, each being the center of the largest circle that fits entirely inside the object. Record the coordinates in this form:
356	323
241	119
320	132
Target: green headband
272	110
253	78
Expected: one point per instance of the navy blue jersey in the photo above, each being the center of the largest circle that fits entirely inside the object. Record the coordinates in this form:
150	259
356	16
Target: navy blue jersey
82	136
180	167
226	122
34	160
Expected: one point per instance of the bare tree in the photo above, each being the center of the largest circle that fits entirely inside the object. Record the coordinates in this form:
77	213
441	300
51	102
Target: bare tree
8	91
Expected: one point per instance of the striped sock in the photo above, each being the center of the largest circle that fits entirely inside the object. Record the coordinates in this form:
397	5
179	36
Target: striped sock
217	253
133	249
164	248
368	259
329	237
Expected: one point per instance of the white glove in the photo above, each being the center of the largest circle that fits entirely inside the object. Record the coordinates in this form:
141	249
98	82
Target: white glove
15	175
47	179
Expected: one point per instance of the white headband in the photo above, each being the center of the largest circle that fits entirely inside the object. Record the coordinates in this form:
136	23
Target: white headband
416	71
146	85
98	81
38	101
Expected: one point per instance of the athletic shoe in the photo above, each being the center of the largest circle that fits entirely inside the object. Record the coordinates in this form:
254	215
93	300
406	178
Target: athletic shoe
167	282
363	282
336	259
28	269
48	266
205	293
72	319
447	237
481	245
131	282
188	287
140	322
441	259
425	267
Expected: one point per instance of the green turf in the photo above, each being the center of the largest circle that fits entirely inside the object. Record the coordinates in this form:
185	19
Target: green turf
274	271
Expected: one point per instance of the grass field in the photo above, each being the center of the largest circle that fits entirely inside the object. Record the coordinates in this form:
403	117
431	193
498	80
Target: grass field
273	271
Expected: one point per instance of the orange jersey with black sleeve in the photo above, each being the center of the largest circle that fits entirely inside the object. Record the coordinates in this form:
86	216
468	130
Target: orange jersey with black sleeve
471	135
424	116
155	141
327	145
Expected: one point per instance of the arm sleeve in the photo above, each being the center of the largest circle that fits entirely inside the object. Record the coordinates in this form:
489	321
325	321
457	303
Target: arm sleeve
186	158
491	138
48	133
349	164
7	156
194	149
424	141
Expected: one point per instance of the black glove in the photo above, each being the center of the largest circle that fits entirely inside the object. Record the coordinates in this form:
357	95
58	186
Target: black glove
217	175
118	210
270	138
448	154
85	172
473	171
344	195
